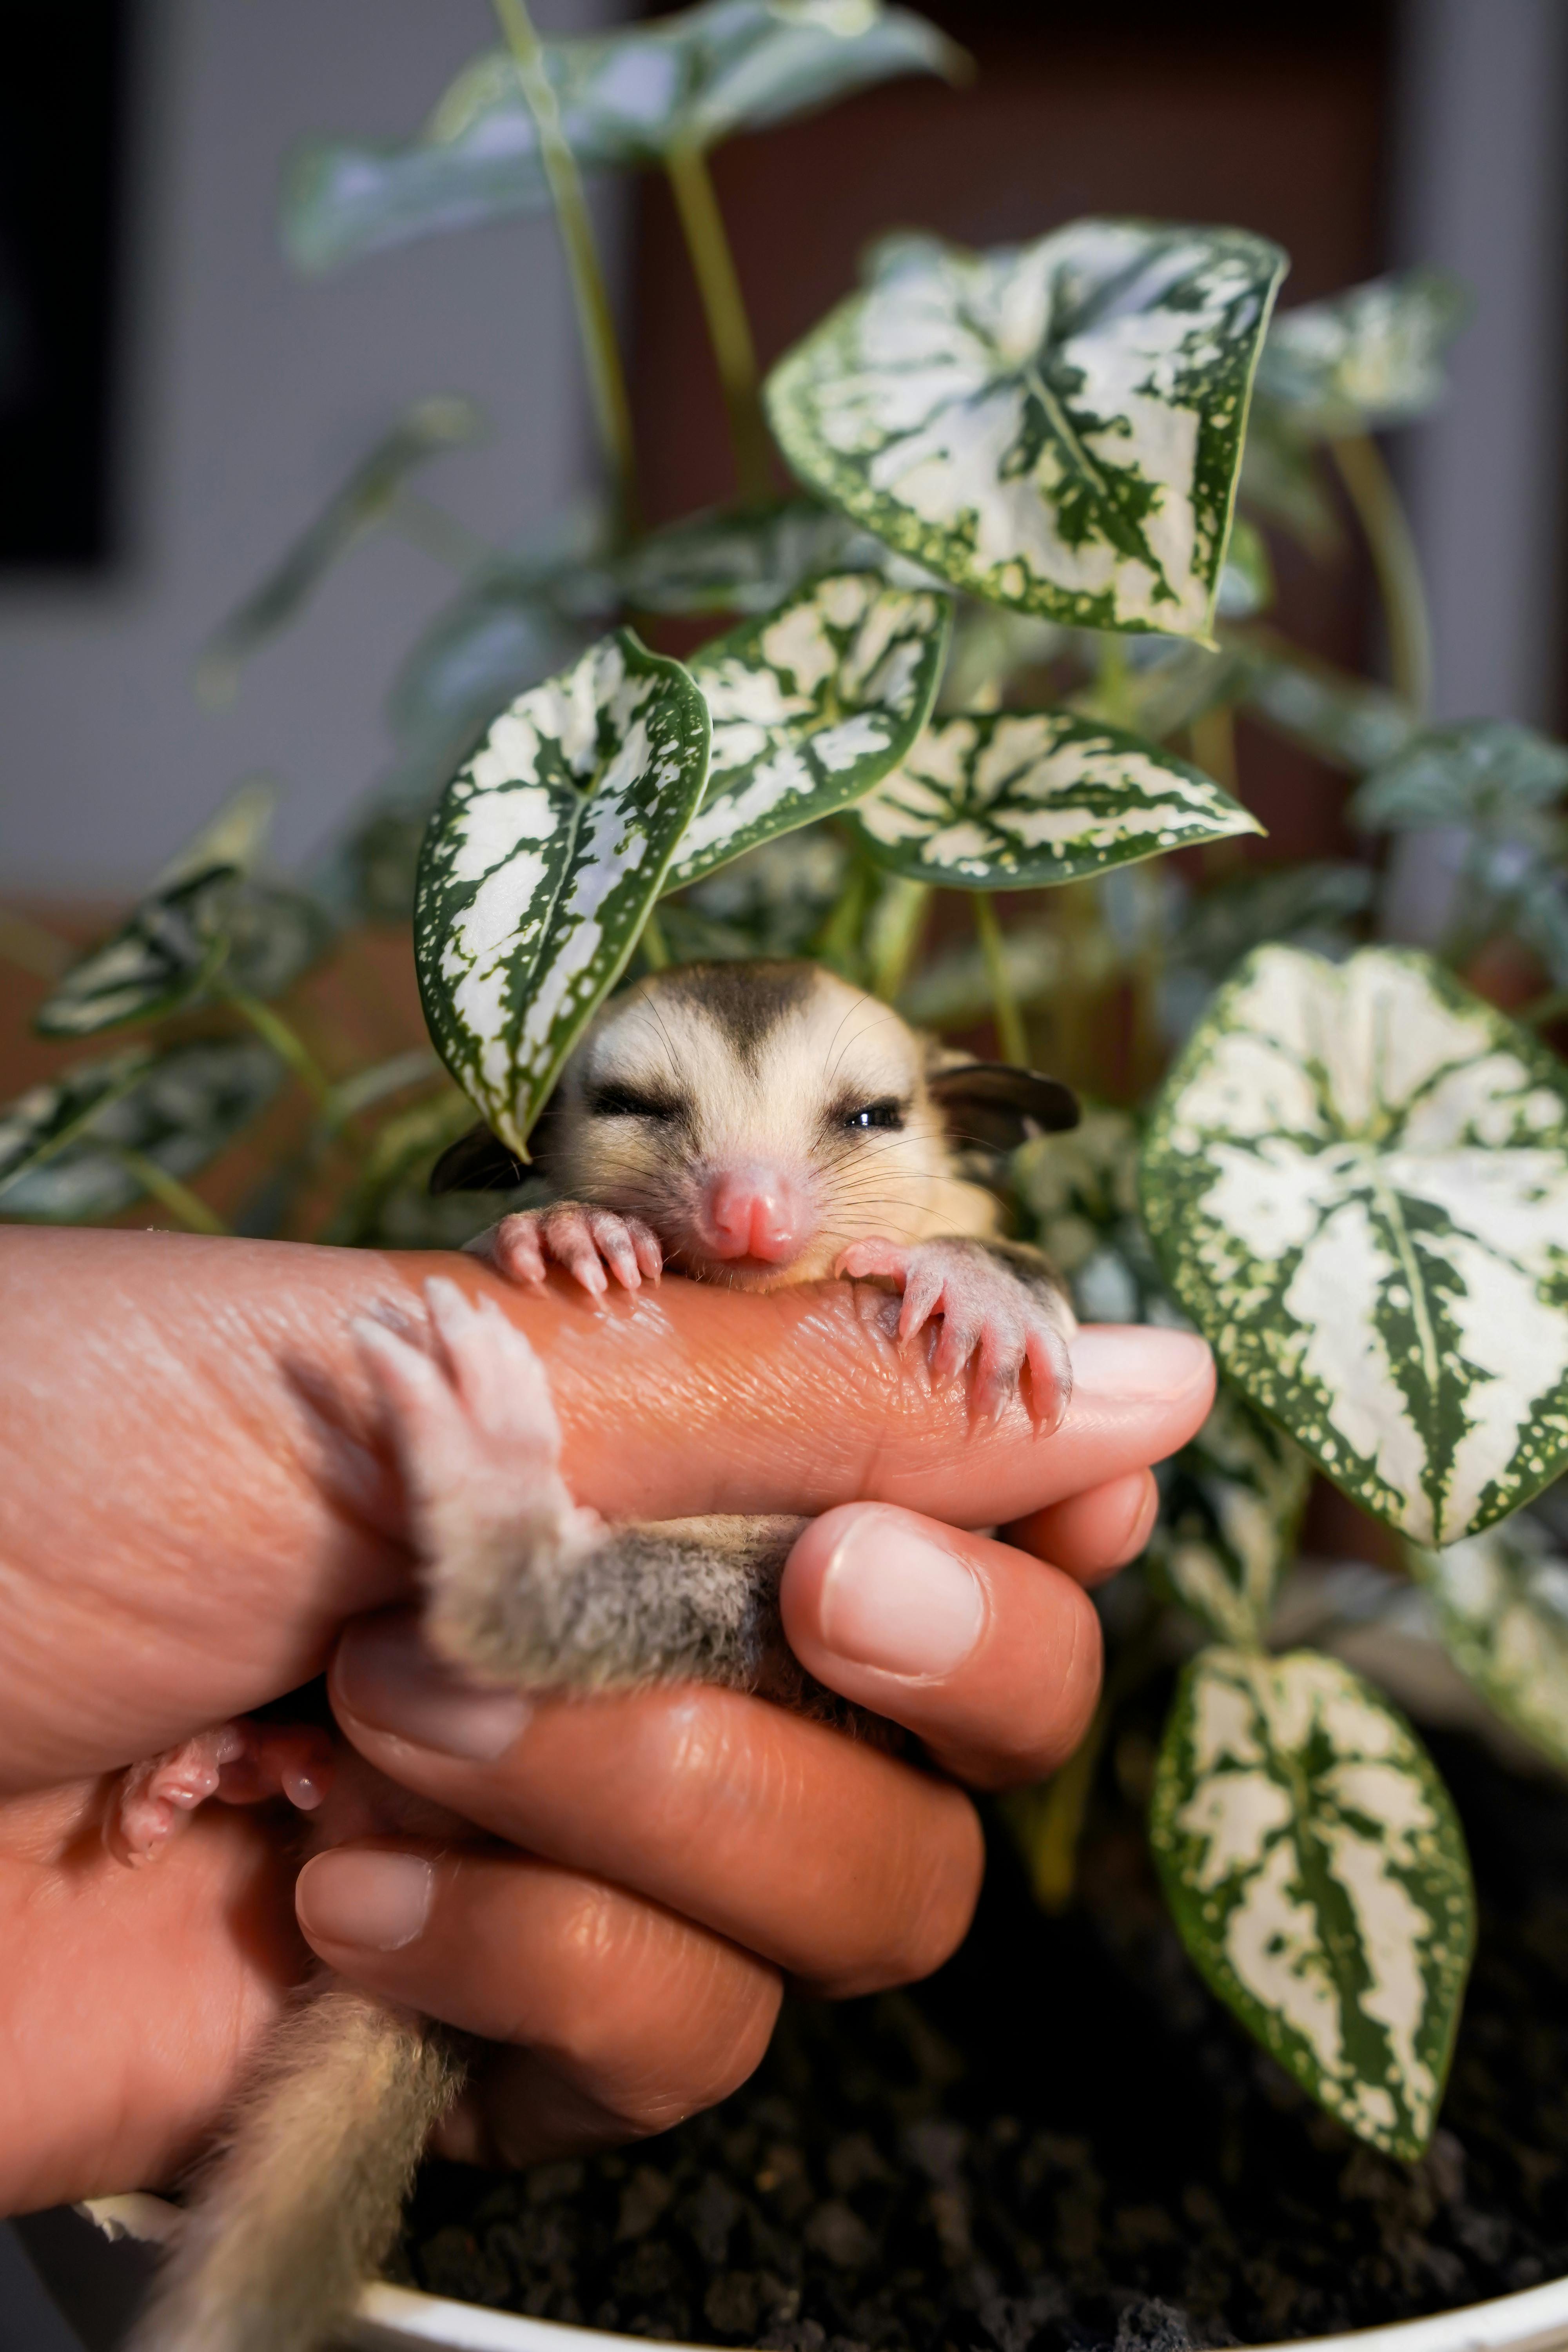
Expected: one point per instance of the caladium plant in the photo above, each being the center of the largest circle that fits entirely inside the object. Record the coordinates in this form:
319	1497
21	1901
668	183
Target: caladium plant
979	665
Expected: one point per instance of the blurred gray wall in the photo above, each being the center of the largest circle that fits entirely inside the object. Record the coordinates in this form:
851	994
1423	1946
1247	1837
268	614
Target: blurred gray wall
253	392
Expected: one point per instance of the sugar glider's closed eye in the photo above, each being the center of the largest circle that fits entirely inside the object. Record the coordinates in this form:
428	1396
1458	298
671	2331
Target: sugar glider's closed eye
750	1124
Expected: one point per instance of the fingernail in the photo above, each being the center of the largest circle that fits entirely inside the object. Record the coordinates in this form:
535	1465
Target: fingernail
385	1675
1138	1361
378	1901
891	1601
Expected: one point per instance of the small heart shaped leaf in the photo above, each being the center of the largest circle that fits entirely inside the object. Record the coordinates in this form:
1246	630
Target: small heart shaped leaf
1317	1873
1231	1505
810	707
1356	1178
541	862
1011	800
1056	426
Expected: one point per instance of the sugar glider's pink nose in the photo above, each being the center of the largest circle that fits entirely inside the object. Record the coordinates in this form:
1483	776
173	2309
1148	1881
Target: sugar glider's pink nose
756	1211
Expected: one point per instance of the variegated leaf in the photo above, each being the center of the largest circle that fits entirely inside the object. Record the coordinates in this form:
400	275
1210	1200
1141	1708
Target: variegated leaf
1338	717
1487	774
1230	1506
64	1146
1356	1178
1010	800
739	559
1317	1872
1367	358
541	862
1247	582
1057	427
1502	1602
810	707
634	95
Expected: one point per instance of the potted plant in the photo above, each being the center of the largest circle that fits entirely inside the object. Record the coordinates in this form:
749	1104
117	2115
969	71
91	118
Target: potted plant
967	735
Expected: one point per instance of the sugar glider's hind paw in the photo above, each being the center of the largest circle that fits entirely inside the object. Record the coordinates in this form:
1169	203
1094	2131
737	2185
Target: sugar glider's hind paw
240	1763
992	1315
582	1239
479	1449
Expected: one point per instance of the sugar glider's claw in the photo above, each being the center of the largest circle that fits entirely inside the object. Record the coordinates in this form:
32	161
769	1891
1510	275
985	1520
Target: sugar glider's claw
990	1319
582	1239
239	1763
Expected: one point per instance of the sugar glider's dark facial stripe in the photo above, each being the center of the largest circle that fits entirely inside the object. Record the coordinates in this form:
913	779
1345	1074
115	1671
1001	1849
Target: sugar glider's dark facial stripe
614	1101
745	1001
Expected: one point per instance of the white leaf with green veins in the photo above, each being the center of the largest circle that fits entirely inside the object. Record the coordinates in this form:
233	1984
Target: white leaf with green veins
1012	800
1316	1870
541	862
62	1145
1367	358
1229	1508
1056	426
1487	773
810	707
630	96
1502	1602
1356	1177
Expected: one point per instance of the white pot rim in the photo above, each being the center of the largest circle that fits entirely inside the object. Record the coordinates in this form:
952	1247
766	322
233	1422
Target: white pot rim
393	2318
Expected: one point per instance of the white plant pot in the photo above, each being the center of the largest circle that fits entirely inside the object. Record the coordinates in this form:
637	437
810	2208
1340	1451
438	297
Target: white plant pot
396	2319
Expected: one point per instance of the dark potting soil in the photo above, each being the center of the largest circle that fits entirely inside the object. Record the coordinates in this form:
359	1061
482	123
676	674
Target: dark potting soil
1061	2142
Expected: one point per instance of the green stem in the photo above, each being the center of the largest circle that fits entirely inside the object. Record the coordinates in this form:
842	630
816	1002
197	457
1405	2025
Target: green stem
289	1048
1049	1822
1111	679
724	307
1369	488
655	947
894	933
431	529
1011	1036
178	1198
596	321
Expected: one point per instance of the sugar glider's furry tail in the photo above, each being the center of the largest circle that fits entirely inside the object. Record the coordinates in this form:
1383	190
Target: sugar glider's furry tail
301	2206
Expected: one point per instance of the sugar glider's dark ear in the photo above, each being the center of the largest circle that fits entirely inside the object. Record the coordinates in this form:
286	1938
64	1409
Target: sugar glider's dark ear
480	1162
998	1105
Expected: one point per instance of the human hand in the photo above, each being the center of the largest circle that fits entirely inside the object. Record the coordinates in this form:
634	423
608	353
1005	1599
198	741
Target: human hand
683	1849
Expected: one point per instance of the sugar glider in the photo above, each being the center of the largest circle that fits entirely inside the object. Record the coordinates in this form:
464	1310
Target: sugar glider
750	1124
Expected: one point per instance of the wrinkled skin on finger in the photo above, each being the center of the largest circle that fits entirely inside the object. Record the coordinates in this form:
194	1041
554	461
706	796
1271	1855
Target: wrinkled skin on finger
197	1498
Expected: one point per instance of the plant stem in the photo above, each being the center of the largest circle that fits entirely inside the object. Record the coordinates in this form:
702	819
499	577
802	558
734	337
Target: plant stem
1110	678
596	321
894	932
653	942
290	1048
1011	1036
1378	509
724	308
178	1198
1049	1822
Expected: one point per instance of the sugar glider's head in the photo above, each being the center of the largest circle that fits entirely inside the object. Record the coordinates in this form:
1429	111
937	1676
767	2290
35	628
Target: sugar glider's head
760	1117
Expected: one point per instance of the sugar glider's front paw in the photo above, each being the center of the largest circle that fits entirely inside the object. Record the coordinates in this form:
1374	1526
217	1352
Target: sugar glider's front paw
582	1239
241	1763
990	1317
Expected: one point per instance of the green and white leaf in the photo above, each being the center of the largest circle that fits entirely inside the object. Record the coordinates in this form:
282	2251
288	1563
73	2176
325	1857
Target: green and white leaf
1503	1603
1011	800
810	707
542	863
1056	426
633	97
1338	717
1356	1179
1317	1873
1285	482
1486	773
426	430
1311	904
1367	358
740	559
68	1148
1246	581
1230	1508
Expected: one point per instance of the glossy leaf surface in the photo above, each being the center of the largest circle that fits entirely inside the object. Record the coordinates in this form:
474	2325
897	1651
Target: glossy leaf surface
1056	427
541	862
1011	800
809	708
1356	1178
688	80
1316	1870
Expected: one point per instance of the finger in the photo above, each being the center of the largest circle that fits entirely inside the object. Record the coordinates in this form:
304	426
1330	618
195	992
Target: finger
516	1249
826	1856
615	1247
648	1248
1093	1534
922	1291
634	2017
570	1243
989	1657
871	1257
